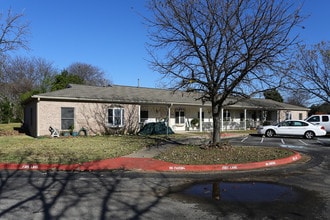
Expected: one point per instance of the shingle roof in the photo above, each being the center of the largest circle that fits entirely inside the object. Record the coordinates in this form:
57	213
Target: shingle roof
142	95
122	94
267	104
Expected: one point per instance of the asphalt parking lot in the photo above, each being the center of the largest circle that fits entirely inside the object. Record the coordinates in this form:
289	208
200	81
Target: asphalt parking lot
139	195
283	141
310	175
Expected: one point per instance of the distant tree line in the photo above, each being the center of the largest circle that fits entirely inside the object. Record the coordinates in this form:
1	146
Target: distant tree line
213	47
23	77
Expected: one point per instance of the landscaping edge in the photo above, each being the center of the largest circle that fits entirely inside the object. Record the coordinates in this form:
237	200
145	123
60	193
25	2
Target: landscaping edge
150	164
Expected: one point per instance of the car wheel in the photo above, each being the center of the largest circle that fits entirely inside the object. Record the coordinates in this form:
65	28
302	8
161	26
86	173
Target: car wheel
309	135
270	133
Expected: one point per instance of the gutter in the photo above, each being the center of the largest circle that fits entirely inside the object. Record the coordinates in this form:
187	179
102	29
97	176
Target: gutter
112	101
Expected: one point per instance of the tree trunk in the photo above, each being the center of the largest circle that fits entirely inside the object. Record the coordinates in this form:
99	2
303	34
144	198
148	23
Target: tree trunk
216	194
216	123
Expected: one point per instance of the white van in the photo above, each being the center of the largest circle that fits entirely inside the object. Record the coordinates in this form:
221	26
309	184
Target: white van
323	120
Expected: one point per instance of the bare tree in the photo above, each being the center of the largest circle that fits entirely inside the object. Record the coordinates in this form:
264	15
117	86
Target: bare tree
13	36
221	48
95	118
92	75
310	72
13	32
298	97
26	76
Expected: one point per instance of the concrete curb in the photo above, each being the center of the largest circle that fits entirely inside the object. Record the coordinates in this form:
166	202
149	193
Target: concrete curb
149	164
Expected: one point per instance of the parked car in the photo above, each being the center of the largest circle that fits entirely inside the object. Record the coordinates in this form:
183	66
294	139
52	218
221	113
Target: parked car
292	128
323	120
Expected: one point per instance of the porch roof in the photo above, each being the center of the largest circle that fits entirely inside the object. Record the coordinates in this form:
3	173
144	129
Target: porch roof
267	104
141	95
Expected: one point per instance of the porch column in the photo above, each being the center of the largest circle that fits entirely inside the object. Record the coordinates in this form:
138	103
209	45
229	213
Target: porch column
245	119
139	112
169	115
200	120
221	119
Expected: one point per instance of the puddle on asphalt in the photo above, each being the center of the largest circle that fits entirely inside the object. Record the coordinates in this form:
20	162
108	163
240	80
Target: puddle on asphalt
244	192
255	200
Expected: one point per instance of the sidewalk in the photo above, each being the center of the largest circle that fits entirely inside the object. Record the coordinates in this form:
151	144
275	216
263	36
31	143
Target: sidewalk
143	161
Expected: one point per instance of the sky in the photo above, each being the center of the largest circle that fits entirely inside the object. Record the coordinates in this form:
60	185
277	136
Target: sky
111	34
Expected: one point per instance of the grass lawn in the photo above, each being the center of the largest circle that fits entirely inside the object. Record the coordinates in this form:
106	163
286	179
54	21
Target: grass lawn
16	148
194	155
25	149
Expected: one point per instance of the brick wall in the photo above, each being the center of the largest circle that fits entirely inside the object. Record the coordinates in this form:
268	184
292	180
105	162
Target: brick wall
92	116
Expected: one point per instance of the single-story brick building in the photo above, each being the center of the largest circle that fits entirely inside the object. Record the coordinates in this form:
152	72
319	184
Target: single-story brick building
127	108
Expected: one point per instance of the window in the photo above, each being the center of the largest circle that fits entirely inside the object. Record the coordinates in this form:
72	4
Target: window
300	116
314	119
254	116
288	116
179	117
285	123
325	118
299	123
202	115
241	116
226	115
116	117
144	115
67	118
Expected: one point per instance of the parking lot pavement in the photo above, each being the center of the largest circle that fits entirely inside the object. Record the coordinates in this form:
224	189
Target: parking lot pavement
325	141
295	143
134	195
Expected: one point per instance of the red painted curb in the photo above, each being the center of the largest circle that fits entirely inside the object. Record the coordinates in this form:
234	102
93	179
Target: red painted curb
149	164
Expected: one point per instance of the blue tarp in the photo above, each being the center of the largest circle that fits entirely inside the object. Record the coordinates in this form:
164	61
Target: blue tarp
155	128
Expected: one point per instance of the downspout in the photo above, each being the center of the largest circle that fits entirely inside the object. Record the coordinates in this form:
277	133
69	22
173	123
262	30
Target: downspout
139	116
37	117
200	120
245	119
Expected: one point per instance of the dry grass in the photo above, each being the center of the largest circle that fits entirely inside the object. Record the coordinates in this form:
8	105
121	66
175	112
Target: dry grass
230	155
9	129
24	149
69	150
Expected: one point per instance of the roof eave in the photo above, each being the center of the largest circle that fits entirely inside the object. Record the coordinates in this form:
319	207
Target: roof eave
59	98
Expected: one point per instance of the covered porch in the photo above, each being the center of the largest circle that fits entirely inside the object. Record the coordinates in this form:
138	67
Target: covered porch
199	118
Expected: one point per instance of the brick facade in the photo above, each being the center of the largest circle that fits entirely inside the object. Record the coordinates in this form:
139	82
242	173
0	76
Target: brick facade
91	116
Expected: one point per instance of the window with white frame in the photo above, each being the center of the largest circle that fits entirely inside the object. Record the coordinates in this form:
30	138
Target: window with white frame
116	117
288	115
179	116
